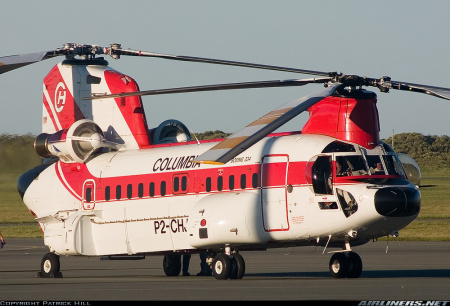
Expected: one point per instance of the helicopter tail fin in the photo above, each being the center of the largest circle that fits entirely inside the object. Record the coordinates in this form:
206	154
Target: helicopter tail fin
122	120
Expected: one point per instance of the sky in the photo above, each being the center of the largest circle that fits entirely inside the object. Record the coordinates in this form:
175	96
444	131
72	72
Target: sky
404	39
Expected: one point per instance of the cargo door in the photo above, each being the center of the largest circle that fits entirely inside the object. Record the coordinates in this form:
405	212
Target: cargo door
273	192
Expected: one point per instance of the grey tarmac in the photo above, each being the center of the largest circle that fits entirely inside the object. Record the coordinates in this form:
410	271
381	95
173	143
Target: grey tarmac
408	271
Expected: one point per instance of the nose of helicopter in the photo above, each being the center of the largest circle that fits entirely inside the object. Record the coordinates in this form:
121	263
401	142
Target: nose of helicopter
397	201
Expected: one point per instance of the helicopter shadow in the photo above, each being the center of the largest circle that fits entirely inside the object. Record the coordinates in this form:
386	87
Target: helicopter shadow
429	273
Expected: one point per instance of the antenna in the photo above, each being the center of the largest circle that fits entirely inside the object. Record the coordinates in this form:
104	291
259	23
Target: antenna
198	141
393	139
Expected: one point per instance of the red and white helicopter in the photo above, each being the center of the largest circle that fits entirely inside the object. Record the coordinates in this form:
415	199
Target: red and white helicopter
110	186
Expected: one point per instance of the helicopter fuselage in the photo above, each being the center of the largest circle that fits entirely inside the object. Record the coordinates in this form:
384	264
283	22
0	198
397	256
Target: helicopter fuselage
284	189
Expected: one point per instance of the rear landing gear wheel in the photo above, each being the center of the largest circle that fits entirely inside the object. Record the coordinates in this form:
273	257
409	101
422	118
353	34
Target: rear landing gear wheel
50	266
221	266
172	264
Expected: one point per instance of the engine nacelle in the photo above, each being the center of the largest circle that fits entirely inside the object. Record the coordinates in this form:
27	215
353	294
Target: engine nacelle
171	131
73	145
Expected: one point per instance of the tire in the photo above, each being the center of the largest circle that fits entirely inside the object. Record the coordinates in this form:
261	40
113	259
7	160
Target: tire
221	266
238	266
339	264
50	266
355	265
172	264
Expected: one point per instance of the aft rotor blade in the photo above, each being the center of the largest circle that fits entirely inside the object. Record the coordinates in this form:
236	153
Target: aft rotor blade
216	61
238	142
443	93
244	85
8	63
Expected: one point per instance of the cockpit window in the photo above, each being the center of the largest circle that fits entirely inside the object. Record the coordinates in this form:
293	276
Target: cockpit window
386	147
337	146
350	165
393	165
356	165
375	165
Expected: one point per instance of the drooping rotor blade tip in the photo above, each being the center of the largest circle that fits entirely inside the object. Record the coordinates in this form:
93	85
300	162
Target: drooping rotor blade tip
202	88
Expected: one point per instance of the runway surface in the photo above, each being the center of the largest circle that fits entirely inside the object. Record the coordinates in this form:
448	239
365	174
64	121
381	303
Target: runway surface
409	271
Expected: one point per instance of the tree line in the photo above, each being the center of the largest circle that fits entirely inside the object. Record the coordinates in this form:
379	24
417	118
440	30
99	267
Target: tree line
432	153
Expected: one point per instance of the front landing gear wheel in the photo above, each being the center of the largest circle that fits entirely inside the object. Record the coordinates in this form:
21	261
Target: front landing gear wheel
50	266
355	265
221	266
339	265
238	265
346	264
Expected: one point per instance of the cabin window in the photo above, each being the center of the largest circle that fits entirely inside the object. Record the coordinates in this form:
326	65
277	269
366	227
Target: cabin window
107	193
152	189
163	188
180	183
243	181
255	180
118	192
176	184
140	190
208	184
231	182
129	191
184	183
220	183
88	194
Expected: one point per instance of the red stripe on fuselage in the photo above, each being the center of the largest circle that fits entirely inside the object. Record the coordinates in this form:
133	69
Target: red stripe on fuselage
211	180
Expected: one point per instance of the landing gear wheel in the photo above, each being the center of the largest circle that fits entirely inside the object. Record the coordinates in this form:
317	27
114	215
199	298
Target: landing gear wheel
339	264
50	266
221	266
238	267
355	265
172	264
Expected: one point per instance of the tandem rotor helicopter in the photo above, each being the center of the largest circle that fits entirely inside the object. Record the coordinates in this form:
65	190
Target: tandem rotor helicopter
109	185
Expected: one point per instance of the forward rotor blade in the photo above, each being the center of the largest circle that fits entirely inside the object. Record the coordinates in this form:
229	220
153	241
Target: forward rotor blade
215	61
238	142
8	63
440	92
244	85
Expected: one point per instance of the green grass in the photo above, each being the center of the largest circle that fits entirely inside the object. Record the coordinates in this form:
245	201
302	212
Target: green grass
432	224
16	221
435	192
425	230
12	208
